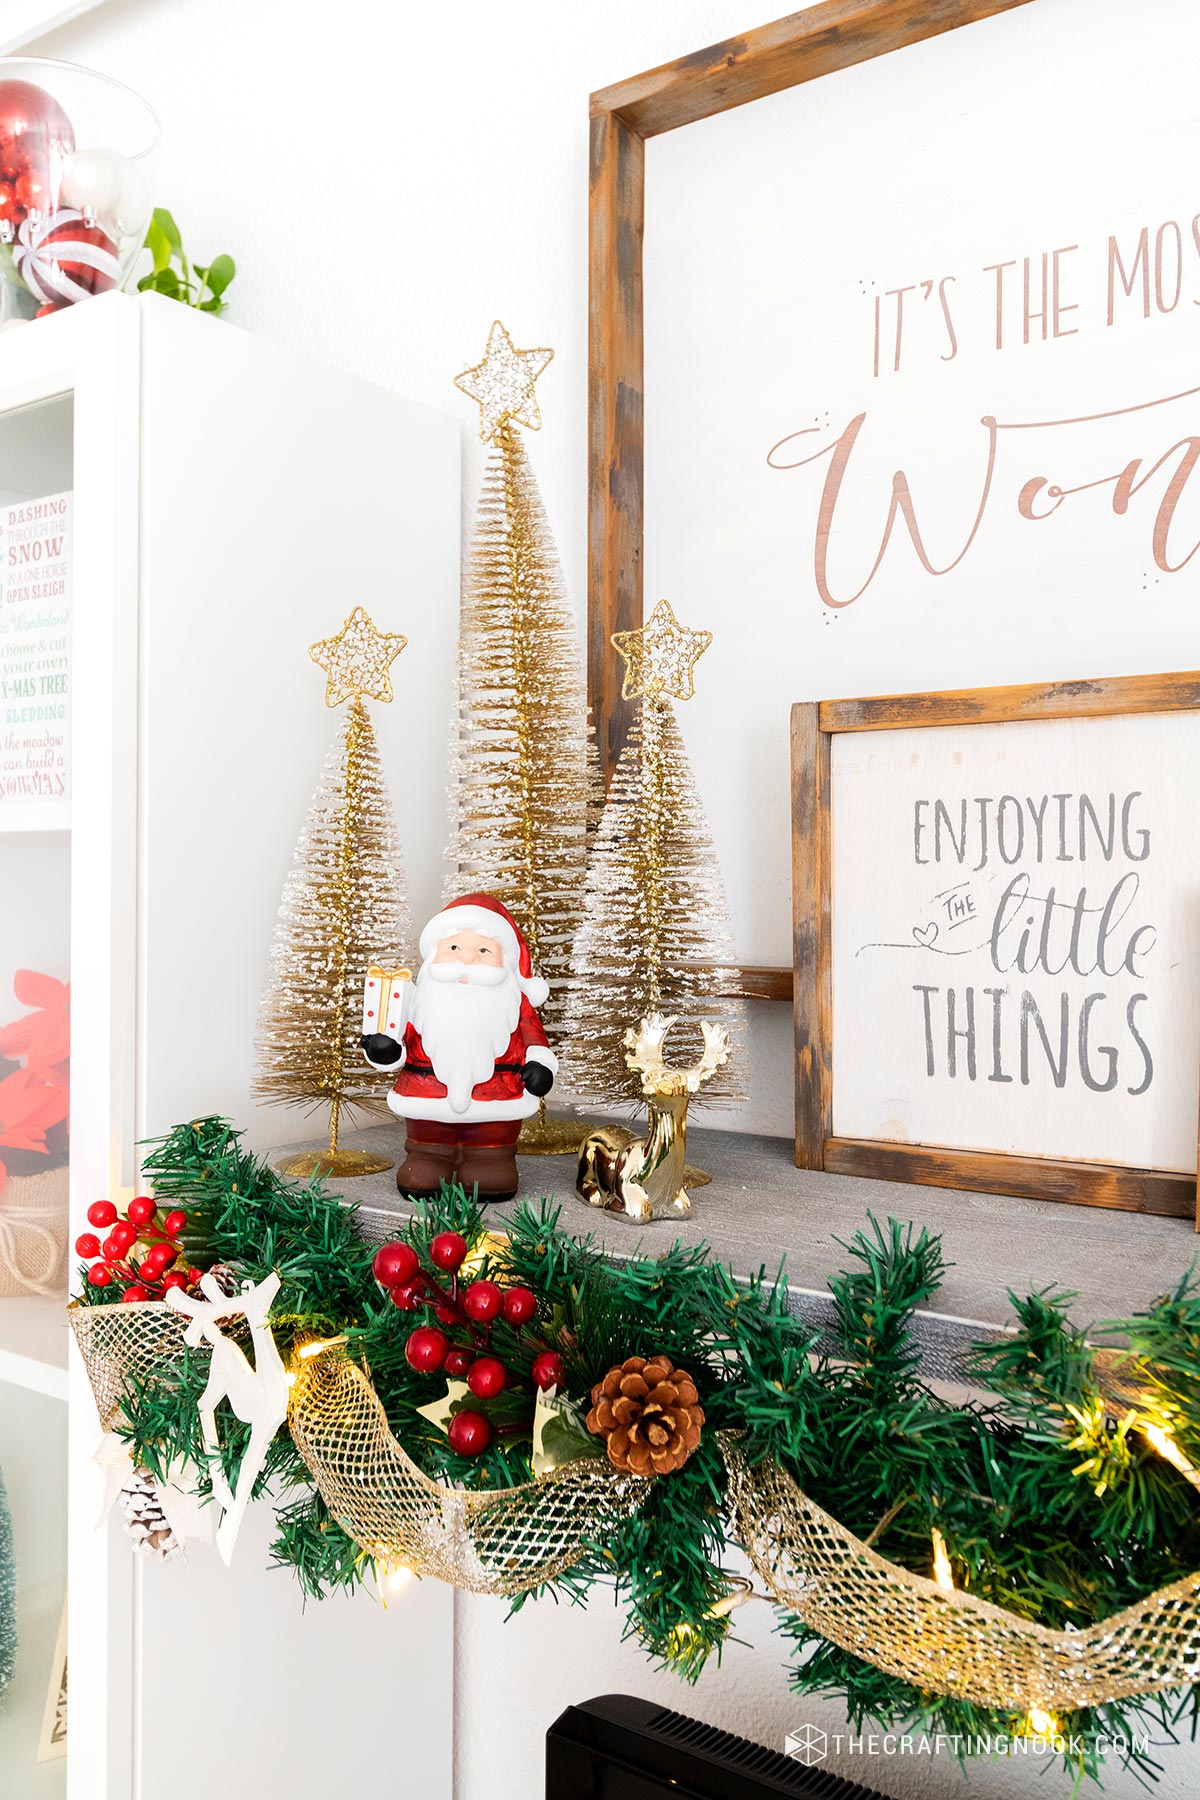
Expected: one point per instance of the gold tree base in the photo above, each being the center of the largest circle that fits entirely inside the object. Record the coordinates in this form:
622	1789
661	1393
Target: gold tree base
544	1136
333	1162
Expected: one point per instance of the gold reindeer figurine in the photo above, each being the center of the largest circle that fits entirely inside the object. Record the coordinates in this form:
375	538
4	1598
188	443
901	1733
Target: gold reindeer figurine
642	1178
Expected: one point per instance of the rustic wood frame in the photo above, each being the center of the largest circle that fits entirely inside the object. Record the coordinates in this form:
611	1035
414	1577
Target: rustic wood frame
986	1171
799	48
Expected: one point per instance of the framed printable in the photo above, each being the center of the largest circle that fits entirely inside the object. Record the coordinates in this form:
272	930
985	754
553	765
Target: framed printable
997	939
893	379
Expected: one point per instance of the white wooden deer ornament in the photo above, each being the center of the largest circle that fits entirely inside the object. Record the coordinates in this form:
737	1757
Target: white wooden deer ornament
642	1177
258	1394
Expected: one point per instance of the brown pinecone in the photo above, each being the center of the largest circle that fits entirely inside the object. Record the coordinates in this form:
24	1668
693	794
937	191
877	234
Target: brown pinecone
145	1520
648	1413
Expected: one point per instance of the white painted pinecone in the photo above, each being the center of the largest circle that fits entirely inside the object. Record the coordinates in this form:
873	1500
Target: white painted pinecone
144	1519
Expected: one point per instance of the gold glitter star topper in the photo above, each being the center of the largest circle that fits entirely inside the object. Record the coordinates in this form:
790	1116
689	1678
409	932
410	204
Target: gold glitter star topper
502	384
661	658
357	660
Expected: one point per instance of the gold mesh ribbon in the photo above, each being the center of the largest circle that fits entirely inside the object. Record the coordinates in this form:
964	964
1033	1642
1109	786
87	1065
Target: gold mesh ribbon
950	1643
124	1345
499	1541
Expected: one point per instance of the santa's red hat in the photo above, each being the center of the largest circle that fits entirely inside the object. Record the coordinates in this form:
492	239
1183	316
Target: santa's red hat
484	913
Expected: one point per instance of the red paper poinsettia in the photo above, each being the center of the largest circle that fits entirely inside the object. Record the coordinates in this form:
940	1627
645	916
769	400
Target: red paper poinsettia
42	1037
30	1106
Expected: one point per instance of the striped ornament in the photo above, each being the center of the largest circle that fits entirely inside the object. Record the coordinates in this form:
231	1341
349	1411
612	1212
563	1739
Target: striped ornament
62	258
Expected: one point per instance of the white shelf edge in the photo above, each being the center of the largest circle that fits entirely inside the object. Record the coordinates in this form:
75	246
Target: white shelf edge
33	1344
35	815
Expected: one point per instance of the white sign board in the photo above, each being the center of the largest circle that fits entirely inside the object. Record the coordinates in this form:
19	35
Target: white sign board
35	650
1016	938
922	398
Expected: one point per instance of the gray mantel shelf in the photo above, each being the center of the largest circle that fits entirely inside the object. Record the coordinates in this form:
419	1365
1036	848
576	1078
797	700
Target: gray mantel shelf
760	1209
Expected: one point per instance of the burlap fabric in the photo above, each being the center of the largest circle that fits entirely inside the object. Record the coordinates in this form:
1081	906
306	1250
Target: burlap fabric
498	1541
950	1643
33	1234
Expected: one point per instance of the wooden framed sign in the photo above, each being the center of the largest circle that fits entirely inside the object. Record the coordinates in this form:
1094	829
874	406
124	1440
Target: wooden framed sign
996	898
893	377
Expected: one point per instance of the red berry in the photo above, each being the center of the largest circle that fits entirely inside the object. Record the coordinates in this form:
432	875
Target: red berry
469	1434
175	1278
141	1209
518	1305
157	1258
135	1291
112	1249
87	1244
100	1275
548	1369
174	1223
426	1349
445	1315
487	1377
406	1298
482	1301
394	1265
458	1361
123	1235
448	1251
102	1215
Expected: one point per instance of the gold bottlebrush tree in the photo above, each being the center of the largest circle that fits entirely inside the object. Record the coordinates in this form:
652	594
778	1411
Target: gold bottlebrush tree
344	907
525	780
656	935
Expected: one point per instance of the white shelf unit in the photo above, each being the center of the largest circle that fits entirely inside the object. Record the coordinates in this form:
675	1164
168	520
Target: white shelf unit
232	503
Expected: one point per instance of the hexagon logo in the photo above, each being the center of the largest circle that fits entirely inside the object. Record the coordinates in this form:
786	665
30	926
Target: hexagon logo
809	1745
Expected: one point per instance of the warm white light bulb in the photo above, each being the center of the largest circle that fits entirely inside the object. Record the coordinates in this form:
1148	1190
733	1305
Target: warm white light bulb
943	1574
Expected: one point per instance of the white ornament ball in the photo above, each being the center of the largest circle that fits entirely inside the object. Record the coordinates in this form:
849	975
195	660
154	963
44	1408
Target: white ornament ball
108	187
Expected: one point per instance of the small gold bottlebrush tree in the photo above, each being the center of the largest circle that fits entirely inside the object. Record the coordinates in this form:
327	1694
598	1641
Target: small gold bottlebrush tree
344	906
656	935
525	779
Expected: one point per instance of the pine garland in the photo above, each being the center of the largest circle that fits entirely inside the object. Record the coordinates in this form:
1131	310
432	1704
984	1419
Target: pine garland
1051	1497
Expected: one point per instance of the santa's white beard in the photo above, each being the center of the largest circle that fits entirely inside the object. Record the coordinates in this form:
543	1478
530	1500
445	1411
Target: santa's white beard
464	1029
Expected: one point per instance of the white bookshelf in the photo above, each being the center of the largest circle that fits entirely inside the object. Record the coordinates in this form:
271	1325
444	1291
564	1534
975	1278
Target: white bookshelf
232	503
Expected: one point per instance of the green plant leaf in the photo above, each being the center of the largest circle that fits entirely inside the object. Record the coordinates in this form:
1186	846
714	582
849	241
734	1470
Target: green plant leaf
218	275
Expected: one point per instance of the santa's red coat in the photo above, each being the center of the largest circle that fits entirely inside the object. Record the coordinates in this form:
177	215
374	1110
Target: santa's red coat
418	1094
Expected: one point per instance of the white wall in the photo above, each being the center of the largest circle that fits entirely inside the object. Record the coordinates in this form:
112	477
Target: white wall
390	178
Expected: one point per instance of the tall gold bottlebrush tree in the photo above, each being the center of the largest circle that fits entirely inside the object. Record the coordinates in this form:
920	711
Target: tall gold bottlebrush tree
344	907
656	934
524	771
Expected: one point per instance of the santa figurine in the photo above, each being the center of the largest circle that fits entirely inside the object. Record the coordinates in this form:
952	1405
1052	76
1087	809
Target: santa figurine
472	1059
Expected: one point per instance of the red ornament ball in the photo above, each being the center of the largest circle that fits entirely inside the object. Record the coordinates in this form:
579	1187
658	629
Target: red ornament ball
482	1301
458	1361
103	1213
174	1223
394	1265
487	1377
141	1209
10	212
135	1291
548	1370
469	1434
100	1275
406	1298
87	1244
448	1251
32	127
426	1349
518	1305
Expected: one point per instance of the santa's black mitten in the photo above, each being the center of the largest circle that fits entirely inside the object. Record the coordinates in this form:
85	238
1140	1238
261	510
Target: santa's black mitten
538	1079
379	1048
